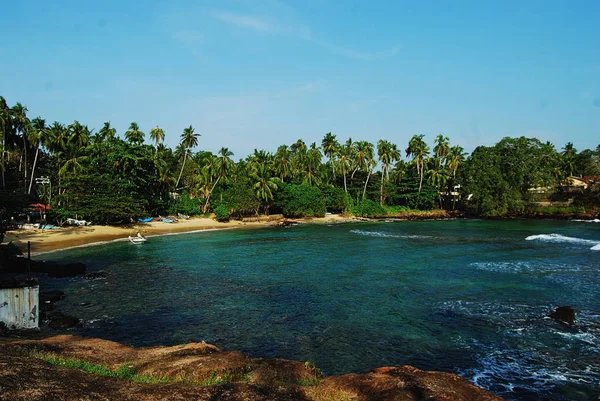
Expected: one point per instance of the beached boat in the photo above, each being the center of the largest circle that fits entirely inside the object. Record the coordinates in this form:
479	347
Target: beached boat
137	240
75	222
169	219
145	219
182	216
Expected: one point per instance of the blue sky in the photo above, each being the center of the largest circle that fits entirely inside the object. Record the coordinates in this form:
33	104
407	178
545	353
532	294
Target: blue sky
260	73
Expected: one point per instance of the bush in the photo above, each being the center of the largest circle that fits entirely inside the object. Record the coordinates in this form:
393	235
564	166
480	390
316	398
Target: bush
186	205
301	201
222	214
336	200
368	208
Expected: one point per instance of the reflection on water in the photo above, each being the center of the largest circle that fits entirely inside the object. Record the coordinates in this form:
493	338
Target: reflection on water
462	296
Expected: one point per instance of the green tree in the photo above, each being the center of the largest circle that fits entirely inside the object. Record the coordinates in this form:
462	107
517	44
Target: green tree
264	185
134	134
419	151
330	148
388	153
188	141
157	135
37	135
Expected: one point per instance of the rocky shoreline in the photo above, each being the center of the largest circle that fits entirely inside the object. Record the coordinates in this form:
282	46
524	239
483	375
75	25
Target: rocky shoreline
69	367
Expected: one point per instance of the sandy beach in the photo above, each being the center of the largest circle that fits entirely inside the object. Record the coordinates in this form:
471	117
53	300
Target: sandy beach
67	237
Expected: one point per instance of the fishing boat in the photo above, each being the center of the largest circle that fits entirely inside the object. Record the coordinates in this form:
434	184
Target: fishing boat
183	216
145	219
137	240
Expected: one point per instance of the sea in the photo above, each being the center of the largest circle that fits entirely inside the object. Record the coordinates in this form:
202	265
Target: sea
464	296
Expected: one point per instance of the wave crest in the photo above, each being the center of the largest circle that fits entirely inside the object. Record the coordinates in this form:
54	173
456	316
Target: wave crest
386	235
558	238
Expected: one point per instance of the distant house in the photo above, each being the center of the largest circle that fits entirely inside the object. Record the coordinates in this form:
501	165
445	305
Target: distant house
575	183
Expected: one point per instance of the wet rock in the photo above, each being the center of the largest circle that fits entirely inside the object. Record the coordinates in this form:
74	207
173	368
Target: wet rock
96	275
58	320
564	314
50	297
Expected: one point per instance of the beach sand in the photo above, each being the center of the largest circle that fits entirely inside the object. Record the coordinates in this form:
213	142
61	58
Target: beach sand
67	237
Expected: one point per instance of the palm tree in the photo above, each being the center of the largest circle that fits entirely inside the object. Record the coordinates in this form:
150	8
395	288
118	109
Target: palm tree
365	159
223	164
456	157
330	148
157	134
107	132
264	185
399	171
418	150
388	153
189	140
311	166
37	136
438	177
282	163
568	154
6	131
20	124
346	160
442	147
134	135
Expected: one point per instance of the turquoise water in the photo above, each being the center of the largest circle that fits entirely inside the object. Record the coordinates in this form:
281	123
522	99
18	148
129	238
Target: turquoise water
463	296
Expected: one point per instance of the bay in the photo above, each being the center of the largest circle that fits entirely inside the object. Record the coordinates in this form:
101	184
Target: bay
462	296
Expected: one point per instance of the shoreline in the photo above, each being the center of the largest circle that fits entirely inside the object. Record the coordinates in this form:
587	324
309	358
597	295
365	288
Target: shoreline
46	241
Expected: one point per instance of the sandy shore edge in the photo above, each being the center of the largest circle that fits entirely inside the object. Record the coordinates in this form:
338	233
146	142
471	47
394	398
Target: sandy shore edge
69	237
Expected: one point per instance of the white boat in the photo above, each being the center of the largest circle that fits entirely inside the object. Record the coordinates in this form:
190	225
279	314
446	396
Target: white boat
137	240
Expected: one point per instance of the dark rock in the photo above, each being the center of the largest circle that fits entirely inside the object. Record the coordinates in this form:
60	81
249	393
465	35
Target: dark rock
564	314
59	320
96	275
3	329
50	297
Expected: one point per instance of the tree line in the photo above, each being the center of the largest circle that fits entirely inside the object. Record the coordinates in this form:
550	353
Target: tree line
103	177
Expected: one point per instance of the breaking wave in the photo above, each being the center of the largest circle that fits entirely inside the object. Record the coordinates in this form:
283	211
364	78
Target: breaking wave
558	238
386	235
587	221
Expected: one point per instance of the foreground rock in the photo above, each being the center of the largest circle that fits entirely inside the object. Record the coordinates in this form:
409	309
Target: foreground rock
201	371
564	314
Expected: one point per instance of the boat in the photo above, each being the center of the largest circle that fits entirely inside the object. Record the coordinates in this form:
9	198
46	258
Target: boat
137	240
183	216
145	219
169	219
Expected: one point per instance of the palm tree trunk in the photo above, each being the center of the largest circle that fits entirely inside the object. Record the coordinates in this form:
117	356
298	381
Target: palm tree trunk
33	169
345	187
366	182
182	166
421	174
381	190
205	208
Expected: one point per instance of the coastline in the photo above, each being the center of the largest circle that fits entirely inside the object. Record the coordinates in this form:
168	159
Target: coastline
43	241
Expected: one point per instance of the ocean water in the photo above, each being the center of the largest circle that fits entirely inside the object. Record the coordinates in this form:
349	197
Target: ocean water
462	296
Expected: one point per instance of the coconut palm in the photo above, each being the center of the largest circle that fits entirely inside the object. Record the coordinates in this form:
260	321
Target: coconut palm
456	157
330	148
107	133
442	147
189	140
282	162
346	159
223	164
388	153
20	123
418	150
134	135
264	185
399	171
157	134
438	177
37	136
365	159
311	166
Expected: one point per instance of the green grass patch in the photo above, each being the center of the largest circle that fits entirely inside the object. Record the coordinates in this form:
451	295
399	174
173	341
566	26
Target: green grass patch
127	372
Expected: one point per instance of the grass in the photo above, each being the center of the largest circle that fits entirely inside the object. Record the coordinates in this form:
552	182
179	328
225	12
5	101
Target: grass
125	371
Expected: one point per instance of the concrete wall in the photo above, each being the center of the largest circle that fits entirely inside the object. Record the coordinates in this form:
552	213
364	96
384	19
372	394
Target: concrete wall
19	307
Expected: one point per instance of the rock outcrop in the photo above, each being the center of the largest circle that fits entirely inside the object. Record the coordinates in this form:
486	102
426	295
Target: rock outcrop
201	371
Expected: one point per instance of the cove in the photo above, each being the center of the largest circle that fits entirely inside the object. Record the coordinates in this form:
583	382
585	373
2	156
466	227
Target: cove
463	296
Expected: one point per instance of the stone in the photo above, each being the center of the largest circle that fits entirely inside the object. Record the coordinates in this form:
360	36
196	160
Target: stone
564	314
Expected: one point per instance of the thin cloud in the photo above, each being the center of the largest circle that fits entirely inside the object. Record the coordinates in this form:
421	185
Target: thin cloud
302	32
243	21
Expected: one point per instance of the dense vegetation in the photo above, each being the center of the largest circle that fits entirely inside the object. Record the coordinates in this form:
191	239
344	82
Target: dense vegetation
103	177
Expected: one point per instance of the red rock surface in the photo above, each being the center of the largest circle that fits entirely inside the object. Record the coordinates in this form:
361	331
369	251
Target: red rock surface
196	367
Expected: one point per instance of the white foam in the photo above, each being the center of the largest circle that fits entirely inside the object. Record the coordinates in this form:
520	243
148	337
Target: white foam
558	238
587	221
386	235
595	248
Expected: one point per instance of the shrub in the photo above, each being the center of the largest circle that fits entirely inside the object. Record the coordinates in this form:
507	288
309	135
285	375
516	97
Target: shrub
336	199
301	201
368	208
186	205
222	213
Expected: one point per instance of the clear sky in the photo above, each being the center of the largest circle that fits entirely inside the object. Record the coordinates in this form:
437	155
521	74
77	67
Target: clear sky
260	73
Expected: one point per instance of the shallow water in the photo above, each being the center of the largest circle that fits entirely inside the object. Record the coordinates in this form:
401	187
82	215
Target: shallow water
463	296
